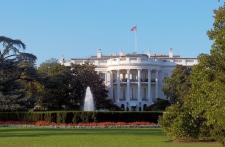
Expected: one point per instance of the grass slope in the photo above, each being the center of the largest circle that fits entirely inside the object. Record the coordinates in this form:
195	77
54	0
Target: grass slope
45	137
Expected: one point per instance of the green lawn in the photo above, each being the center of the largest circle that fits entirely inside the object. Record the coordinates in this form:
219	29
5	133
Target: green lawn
44	137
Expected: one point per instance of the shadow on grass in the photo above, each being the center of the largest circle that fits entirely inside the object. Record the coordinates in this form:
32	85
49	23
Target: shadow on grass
38	132
191	141
168	141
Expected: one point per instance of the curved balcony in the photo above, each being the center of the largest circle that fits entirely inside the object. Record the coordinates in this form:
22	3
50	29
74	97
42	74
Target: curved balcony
137	61
133	81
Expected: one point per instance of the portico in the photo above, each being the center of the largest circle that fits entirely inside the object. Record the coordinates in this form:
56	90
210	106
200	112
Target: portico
134	87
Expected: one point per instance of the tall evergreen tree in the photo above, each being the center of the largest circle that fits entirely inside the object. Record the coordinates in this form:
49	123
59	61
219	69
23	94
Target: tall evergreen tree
15	66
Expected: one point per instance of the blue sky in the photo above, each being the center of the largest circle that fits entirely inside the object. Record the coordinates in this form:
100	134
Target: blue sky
76	28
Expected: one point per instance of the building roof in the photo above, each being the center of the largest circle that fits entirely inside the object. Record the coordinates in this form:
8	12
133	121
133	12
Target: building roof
106	57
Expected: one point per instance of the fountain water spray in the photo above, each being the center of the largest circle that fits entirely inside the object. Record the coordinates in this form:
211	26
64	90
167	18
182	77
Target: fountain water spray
89	101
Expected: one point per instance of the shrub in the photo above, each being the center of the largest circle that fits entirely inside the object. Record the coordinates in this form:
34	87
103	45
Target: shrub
79	116
160	105
61	117
178	123
185	127
167	120
218	133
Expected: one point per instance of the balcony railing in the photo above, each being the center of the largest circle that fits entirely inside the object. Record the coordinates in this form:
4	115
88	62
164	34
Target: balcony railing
136	61
133	80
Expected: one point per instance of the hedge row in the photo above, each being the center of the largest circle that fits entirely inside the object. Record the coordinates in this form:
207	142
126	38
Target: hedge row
79	116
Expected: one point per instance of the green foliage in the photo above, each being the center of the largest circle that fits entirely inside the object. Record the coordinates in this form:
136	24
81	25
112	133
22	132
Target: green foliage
87	76
219	133
201	115
178	85
52	87
56	79
64	87
207	97
50	68
80	116
179	123
17	72
167	120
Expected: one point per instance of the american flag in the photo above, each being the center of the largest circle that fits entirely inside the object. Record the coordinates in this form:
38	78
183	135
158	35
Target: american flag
133	29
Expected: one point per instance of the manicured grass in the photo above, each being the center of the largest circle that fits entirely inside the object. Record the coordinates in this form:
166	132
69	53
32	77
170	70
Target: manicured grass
45	137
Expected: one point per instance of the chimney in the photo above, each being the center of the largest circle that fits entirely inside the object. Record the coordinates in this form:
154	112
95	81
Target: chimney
99	53
171	53
121	53
149	54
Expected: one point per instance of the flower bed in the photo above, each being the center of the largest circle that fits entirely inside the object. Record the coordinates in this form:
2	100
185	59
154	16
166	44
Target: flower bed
79	125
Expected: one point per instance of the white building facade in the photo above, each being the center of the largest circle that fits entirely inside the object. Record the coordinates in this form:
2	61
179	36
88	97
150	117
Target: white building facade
134	81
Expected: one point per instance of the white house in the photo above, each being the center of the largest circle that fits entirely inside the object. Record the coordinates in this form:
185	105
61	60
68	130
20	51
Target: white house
134	81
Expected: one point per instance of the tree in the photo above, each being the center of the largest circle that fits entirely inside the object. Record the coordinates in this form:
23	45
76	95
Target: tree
87	76
178	84
56	79
14	65
65	86
11	51
204	103
209	76
51	67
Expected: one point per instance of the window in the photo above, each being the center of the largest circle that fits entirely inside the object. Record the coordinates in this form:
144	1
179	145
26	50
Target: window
178	60
190	60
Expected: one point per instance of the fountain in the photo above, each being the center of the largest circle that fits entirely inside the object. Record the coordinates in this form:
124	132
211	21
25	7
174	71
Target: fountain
89	101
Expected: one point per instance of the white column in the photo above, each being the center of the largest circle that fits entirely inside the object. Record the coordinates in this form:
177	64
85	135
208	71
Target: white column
139	84
106	79
118	85
110	79
149	86
128	85
156	84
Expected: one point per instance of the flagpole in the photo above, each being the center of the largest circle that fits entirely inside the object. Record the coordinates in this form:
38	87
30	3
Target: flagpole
135	41
134	30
